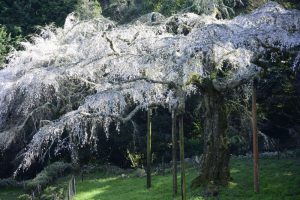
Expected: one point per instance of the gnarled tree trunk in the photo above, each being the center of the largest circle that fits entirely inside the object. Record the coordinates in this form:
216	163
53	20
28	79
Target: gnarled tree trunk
216	152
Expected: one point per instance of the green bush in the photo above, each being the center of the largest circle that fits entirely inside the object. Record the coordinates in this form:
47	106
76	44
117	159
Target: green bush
218	8
5	40
53	192
167	7
50	174
9	182
21	17
86	9
297	153
193	147
24	197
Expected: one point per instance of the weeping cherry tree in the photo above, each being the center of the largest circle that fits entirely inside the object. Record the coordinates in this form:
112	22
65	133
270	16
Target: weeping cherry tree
69	81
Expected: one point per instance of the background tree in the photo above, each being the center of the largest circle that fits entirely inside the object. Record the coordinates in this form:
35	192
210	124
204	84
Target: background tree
5	40
88	9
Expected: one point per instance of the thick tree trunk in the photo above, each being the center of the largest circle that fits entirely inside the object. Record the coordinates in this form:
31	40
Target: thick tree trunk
215	167
74	152
216	152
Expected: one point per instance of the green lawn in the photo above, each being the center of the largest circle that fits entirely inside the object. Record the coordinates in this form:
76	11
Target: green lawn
279	180
9	193
127	188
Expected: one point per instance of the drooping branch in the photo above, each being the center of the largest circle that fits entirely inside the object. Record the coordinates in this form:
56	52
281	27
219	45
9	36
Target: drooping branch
116	117
147	79
111	44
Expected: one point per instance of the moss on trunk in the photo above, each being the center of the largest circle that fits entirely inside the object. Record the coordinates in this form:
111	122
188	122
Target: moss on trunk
215	168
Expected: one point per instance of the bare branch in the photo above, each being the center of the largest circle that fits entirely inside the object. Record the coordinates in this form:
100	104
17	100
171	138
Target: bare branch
144	79
116	117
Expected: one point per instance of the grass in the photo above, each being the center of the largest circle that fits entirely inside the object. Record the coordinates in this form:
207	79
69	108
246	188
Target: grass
279	180
127	188
10	193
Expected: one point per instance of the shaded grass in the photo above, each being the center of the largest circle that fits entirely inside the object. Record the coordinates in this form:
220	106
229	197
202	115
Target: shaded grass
279	180
10	193
128	188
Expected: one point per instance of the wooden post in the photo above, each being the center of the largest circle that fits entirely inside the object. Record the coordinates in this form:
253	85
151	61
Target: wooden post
163	167
278	148
69	191
149	129
32	195
182	164
74	185
38	188
71	188
255	138
174	157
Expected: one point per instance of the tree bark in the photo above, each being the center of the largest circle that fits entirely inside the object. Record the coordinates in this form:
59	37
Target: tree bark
174	151
215	167
74	152
149	132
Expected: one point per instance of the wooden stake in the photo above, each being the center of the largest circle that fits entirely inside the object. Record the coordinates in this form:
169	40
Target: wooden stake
255	138
182	164
174	157
149	130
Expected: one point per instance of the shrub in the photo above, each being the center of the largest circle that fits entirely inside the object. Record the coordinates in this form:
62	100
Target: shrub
105	169
24	197
50	174
139	172
87	9
193	147
9	182
5	40
52	192
297	153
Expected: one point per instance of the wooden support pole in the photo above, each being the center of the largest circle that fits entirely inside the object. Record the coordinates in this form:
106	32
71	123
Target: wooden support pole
255	138
149	130
174	151
74	185
182	164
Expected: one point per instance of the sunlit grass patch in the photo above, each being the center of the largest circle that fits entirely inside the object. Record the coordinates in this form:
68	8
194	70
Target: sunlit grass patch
279	180
276	183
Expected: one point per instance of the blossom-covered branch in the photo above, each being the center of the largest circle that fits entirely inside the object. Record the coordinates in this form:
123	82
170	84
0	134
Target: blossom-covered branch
93	71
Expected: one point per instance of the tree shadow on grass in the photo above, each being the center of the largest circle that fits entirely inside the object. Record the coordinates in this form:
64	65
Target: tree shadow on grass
134	188
279	180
